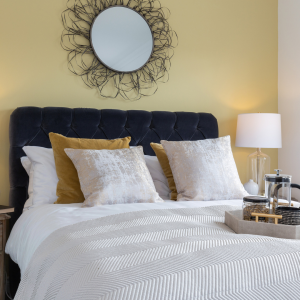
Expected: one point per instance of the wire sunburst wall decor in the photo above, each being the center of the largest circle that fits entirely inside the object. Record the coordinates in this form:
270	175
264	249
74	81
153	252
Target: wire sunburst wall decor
78	19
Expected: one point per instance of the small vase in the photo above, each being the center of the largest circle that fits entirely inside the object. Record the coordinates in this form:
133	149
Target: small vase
251	187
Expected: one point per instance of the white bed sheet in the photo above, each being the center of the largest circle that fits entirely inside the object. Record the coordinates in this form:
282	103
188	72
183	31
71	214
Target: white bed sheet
36	224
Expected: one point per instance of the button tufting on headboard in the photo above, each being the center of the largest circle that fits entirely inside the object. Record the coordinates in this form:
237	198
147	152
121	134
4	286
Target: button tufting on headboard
31	125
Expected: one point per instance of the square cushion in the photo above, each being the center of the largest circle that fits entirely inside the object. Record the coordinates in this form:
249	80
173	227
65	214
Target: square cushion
204	170
113	176
68	186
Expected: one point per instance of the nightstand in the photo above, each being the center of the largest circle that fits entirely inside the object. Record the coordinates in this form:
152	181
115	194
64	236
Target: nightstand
3	229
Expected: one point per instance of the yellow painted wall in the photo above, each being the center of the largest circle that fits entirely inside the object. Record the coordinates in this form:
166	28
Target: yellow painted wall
226	64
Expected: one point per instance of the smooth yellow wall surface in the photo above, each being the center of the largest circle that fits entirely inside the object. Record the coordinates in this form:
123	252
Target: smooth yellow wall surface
225	64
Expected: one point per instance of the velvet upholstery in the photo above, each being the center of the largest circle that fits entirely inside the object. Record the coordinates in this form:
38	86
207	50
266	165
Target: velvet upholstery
30	126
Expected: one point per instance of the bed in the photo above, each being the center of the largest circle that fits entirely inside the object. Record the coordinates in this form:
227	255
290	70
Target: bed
31	125
169	250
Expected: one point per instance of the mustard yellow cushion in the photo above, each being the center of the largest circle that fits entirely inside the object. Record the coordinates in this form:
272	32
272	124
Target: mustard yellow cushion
68	187
164	162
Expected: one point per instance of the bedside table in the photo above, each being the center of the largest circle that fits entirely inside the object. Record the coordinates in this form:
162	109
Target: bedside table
3	229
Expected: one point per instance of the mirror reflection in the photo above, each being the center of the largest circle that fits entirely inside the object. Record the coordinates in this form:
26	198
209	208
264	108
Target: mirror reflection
122	39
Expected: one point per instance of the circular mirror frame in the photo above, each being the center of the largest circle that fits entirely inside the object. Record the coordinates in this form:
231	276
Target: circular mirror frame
98	55
78	19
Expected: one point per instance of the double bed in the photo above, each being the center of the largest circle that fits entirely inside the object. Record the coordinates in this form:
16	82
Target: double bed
170	250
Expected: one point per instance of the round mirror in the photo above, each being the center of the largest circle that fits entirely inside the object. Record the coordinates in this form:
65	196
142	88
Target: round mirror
122	39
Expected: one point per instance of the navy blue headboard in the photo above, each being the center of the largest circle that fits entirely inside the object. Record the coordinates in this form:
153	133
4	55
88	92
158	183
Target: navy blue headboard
31	126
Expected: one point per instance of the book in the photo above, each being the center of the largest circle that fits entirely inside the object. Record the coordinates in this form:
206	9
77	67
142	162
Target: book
6	209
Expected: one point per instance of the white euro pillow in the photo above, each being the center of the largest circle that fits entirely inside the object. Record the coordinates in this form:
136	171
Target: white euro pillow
158	177
42	176
26	163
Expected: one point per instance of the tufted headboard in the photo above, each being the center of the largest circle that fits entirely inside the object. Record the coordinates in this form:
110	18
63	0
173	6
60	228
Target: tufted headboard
30	126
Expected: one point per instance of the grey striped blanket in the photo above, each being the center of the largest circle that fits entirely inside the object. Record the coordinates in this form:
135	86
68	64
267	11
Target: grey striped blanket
161	254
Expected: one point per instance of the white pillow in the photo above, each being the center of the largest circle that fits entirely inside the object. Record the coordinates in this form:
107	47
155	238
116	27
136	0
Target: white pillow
158	177
26	163
204	170
113	176
42	175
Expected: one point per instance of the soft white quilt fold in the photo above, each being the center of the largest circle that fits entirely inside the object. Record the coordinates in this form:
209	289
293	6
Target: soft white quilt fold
182	253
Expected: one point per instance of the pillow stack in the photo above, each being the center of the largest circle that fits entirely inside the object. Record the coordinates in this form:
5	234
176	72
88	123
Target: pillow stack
53	177
100	172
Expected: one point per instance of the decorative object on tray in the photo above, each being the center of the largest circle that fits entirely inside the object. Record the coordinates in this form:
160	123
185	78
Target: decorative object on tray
278	188
234	220
259	130
251	187
255	204
123	44
274	182
290	215
6	209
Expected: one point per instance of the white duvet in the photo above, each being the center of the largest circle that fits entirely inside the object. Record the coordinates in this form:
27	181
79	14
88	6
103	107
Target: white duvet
35	225
168	251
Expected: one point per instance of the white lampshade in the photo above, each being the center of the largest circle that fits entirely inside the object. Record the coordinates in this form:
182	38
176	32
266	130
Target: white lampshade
258	131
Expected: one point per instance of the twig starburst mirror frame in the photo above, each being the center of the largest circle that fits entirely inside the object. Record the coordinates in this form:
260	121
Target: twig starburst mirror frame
78	21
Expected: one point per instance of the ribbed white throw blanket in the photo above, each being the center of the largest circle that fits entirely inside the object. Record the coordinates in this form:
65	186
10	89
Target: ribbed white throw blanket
161	254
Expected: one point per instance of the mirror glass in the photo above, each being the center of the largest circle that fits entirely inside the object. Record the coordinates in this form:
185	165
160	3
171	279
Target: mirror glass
122	39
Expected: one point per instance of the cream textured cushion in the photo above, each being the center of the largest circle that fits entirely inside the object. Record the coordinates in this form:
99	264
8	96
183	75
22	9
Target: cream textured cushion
113	176
68	186
204	170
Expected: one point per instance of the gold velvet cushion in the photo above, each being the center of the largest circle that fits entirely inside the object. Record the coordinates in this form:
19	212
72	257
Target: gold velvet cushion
164	162
113	176
204	170
68	186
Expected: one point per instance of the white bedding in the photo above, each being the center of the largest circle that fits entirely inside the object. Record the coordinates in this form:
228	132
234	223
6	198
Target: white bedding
184	252
36	224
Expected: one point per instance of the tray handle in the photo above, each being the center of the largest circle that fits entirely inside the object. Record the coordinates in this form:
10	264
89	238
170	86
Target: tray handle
257	215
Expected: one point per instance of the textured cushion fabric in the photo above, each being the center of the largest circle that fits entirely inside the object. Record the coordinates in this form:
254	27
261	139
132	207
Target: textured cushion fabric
43	179
158	177
68	186
113	176
204	170
164	162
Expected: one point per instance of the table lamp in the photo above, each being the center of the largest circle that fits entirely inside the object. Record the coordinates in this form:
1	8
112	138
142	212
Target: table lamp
258	130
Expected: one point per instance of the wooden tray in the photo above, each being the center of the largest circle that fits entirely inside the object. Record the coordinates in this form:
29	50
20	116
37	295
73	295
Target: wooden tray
234	220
